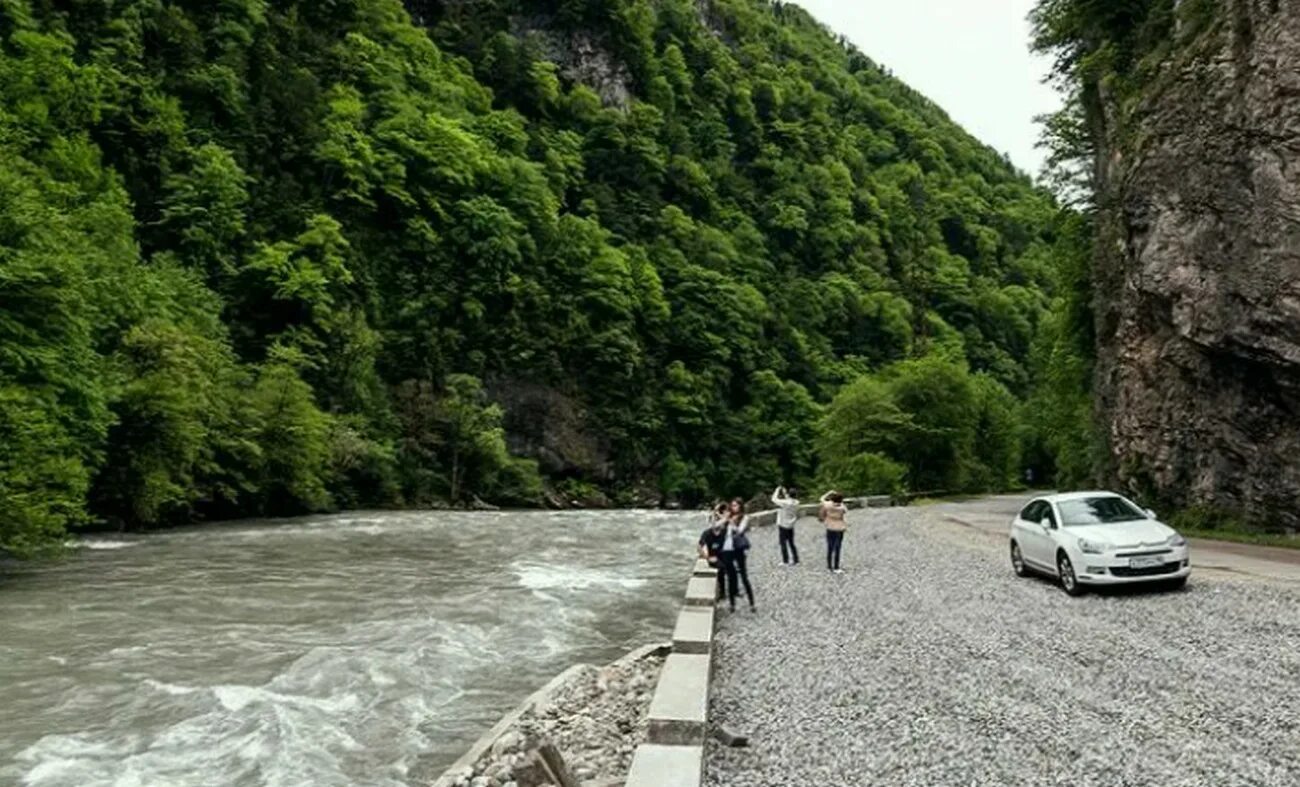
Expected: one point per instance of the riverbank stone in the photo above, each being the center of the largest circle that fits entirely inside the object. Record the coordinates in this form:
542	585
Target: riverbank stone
591	717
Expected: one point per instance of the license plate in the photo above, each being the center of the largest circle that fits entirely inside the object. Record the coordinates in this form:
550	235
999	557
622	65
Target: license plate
1146	562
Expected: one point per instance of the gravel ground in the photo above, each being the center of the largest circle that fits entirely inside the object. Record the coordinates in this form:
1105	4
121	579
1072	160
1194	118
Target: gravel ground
929	663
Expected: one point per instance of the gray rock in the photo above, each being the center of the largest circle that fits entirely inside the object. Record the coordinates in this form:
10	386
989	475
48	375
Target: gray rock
593	718
511	741
728	738
1198	270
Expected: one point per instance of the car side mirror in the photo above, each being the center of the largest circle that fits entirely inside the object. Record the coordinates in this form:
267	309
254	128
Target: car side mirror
1151	514
1046	523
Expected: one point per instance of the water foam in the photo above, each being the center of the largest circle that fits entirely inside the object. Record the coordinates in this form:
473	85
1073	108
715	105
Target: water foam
553	577
170	688
274	734
103	543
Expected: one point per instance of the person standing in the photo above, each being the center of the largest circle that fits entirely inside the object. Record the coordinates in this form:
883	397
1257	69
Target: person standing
832	514
787	513
712	540
734	553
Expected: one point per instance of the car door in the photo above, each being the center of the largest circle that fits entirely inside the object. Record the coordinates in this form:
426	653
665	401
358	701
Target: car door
1037	540
1048	532
1028	531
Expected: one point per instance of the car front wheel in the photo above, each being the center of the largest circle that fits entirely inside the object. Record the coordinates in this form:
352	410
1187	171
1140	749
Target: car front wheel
1065	569
1018	561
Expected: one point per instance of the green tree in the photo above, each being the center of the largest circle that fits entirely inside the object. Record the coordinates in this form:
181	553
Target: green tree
940	398
861	432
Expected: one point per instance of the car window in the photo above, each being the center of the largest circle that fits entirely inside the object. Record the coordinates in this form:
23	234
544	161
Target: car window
1049	513
1029	512
1101	510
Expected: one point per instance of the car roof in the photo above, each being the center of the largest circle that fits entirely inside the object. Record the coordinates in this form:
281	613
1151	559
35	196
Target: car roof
1064	496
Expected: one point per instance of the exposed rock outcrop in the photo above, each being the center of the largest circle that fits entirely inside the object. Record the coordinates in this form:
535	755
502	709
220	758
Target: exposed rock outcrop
1198	273
582	58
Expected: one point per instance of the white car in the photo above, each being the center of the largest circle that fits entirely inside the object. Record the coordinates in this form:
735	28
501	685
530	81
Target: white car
1091	539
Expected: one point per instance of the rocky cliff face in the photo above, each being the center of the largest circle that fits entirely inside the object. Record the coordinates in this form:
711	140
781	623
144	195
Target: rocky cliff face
1198	273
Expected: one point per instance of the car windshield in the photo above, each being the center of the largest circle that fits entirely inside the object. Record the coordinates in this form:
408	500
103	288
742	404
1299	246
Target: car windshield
1098	511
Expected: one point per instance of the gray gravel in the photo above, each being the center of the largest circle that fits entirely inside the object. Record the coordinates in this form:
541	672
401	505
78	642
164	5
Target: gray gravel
929	663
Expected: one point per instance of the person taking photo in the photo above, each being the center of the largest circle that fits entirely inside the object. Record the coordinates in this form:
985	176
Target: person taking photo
787	514
832	514
735	549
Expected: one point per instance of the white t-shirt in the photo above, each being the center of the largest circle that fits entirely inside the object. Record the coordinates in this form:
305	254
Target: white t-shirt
734	530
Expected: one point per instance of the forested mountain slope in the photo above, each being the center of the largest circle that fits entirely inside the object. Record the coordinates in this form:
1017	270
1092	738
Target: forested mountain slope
266	256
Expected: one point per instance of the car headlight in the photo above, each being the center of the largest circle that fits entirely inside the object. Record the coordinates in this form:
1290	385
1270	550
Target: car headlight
1177	540
1093	547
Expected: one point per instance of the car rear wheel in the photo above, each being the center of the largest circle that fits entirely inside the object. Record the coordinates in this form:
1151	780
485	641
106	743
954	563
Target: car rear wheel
1065	569
1018	561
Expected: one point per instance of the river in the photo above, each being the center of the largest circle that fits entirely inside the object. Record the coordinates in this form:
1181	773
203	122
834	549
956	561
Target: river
355	649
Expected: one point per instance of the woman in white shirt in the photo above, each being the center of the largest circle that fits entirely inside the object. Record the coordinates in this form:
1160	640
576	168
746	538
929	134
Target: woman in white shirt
734	551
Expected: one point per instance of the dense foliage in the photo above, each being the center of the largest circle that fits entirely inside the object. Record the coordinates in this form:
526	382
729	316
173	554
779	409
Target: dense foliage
267	256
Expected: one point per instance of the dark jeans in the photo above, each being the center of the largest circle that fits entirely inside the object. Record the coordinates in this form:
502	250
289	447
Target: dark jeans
834	540
786	536
733	566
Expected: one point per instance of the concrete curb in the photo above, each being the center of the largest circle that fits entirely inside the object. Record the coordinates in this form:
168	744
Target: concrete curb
678	719
702	591
666	766
679	711
694	631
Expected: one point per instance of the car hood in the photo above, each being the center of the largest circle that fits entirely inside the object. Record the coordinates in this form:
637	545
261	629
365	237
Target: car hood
1126	535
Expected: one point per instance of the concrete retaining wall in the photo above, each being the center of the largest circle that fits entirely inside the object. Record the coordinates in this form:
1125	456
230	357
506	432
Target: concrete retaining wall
673	754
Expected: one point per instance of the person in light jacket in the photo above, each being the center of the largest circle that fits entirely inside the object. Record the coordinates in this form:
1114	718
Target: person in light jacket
787	513
832	515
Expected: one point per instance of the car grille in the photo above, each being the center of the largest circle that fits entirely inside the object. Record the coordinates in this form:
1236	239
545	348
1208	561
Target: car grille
1153	571
1144	554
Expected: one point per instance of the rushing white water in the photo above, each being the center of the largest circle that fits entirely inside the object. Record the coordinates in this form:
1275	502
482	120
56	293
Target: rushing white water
345	650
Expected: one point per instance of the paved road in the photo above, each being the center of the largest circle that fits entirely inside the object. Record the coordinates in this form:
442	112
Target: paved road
929	663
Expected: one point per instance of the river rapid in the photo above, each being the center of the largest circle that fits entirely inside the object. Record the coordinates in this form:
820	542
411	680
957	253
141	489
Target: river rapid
356	649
